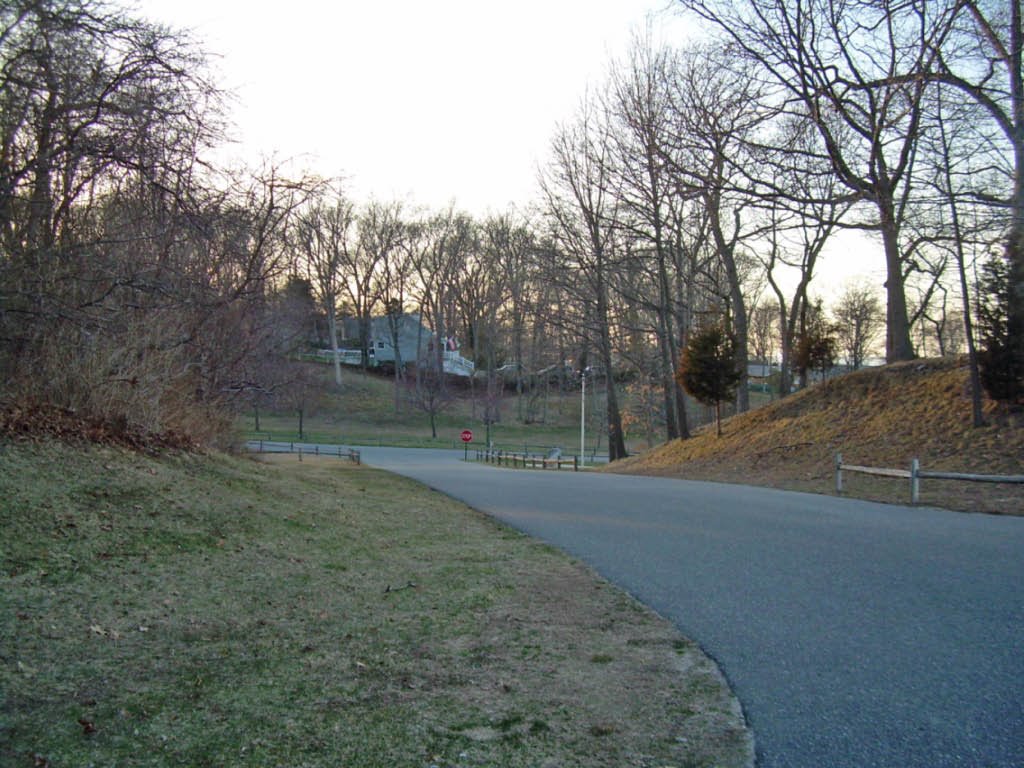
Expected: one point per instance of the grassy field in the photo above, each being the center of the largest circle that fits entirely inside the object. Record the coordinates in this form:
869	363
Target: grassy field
364	412
211	611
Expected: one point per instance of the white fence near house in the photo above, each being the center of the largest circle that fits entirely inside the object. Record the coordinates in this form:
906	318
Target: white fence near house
457	365
453	363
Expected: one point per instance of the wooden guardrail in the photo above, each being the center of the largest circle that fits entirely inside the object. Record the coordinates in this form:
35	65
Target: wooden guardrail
525	460
272	446
915	474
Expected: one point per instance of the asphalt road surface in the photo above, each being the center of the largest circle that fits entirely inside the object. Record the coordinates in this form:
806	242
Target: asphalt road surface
854	634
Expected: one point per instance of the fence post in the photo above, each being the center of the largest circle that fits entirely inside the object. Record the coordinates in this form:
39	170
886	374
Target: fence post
575	463
915	480
839	472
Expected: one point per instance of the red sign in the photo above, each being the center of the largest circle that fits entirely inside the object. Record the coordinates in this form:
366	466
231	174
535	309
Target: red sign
467	435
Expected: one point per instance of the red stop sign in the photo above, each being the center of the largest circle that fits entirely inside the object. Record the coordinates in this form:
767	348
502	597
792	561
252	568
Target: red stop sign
467	435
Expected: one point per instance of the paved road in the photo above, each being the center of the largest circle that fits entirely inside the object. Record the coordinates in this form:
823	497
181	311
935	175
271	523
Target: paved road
854	634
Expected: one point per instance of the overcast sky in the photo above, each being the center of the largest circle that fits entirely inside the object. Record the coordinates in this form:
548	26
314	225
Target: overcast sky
434	101
424	101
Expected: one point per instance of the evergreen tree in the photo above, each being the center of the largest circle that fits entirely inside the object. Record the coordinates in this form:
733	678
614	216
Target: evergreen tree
816	344
1000	361
708	369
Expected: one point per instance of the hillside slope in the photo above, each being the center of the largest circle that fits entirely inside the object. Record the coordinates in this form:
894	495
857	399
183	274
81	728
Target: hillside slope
205	610
880	417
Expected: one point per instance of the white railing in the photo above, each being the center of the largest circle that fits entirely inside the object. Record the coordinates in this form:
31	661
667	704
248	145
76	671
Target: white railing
452	362
457	365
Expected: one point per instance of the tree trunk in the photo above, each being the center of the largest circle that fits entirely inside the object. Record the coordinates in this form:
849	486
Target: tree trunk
898	345
668	383
1015	244
332	331
616	440
1015	255
727	253
739	321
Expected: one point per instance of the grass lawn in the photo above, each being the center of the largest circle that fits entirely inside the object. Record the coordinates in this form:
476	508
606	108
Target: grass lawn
363	412
213	611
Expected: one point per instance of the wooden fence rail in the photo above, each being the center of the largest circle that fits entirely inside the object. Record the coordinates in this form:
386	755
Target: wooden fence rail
510	459
915	474
271	446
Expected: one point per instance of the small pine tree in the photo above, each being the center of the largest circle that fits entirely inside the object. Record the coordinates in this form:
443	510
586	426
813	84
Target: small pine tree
708	369
1000	360
815	348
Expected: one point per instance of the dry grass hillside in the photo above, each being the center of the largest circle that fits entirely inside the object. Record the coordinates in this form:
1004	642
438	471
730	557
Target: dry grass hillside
880	417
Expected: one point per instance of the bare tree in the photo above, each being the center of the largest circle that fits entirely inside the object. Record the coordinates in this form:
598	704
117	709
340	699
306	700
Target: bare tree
764	330
983	59
440	246
323	235
855	71
148	270
509	245
384	235
858	319
582	207
429	392
640	107
718	109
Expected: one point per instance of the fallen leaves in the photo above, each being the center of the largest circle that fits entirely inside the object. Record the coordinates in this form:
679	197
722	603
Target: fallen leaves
96	629
88	726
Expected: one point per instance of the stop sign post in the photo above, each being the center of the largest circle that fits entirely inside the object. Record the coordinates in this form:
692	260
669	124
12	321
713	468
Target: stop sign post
467	435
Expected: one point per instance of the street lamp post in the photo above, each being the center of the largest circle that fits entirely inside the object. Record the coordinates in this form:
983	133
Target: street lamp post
583	410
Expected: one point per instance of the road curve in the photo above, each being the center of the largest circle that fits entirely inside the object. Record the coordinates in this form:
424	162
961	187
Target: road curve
854	634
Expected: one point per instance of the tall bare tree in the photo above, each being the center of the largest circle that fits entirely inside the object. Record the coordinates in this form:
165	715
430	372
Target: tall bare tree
324	236
719	109
858	319
855	71
579	199
383	235
983	59
641	110
509	244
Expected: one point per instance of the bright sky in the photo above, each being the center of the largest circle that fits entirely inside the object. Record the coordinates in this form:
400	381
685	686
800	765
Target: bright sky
429	102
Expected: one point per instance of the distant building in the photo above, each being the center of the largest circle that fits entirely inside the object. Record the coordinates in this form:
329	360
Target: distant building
415	341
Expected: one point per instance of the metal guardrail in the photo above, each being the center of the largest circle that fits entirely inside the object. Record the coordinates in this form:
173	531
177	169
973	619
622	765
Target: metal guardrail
915	474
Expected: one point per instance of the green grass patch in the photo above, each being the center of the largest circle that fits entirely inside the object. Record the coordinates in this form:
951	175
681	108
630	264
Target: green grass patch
211	611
